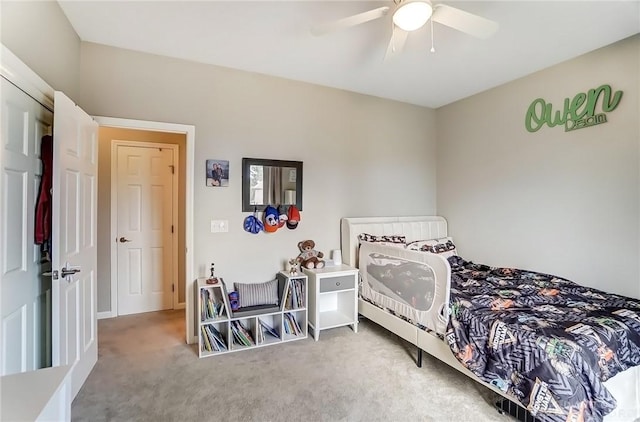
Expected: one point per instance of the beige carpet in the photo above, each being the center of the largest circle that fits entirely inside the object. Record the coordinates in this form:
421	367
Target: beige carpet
145	372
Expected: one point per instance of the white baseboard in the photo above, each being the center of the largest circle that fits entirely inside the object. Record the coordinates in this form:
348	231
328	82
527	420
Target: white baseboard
105	315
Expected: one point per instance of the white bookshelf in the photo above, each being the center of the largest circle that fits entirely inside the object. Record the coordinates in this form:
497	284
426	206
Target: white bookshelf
288	320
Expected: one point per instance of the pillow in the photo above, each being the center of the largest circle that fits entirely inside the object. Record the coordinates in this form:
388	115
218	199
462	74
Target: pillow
254	294
443	246
391	240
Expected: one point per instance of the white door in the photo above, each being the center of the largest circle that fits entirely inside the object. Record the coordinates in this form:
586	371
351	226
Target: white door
145	267
26	295
74	240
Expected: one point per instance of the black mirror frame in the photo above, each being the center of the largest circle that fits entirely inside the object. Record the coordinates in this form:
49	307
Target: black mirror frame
248	162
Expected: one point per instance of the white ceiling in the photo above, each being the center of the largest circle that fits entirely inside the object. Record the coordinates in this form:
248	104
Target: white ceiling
273	38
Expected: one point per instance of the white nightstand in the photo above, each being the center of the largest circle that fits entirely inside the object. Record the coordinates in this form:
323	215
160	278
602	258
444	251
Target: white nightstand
333	298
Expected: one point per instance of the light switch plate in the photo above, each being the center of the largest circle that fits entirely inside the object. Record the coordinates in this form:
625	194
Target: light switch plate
219	226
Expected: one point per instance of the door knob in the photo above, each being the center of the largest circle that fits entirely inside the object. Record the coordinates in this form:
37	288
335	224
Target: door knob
124	239
64	272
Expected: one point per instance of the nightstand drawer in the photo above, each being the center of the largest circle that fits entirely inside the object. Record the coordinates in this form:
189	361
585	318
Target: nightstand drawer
332	284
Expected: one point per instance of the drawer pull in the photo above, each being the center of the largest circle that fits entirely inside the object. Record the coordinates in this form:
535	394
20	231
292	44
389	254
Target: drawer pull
337	283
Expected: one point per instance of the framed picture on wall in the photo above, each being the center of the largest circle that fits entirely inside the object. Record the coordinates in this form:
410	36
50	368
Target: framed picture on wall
218	173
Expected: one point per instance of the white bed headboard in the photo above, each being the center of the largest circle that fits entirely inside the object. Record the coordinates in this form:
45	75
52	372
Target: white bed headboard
414	228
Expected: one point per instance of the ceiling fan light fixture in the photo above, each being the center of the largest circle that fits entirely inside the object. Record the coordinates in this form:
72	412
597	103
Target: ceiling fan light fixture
412	15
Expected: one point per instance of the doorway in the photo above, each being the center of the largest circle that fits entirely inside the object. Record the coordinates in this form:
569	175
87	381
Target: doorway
136	133
144	198
47	240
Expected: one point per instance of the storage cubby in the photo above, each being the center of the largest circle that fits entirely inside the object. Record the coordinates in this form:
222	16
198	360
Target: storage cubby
214	338
336	309
212	303
242	332
294	324
295	296
222	331
269	329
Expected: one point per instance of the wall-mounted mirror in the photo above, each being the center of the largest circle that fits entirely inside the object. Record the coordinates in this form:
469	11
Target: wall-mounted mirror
271	182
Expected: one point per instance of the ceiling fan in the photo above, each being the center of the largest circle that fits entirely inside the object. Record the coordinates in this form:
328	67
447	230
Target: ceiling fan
410	15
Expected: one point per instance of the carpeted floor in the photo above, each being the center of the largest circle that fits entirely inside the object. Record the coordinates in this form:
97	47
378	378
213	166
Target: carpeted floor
145	372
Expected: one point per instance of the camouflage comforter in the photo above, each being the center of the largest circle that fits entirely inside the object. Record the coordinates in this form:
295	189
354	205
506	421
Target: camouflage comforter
545	340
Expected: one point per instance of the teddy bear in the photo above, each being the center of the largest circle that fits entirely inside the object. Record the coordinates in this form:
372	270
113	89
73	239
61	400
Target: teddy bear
309	257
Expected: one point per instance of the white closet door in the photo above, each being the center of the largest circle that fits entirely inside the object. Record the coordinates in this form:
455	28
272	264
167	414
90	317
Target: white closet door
74	239
25	328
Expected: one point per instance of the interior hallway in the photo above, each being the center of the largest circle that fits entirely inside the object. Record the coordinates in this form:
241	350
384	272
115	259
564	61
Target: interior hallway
140	333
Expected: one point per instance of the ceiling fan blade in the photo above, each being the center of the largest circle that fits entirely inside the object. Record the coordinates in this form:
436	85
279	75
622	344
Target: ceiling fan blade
349	21
396	44
464	21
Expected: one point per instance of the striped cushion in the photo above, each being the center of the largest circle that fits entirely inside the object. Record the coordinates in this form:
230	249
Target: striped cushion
253	294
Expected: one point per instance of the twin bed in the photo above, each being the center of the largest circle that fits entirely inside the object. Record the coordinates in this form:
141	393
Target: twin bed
562	351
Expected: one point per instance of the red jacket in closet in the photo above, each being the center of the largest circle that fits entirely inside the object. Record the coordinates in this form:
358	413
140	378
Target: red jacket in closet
43	206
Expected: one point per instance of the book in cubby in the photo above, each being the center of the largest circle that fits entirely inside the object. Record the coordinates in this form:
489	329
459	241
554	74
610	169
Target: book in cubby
213	339
291	326
295	294
222	330
213	335
212	302
269	329
242	332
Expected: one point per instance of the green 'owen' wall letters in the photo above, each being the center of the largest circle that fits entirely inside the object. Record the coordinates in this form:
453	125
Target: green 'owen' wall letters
577	114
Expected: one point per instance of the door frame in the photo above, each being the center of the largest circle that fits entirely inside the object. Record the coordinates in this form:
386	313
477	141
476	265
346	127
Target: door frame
18	73
114	217
190	132
14	70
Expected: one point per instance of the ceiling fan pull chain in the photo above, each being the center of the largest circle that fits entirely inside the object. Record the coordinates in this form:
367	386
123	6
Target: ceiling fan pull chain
433	50
393	44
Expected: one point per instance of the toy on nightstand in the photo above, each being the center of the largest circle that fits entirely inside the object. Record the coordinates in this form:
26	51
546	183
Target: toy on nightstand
309	257
294	266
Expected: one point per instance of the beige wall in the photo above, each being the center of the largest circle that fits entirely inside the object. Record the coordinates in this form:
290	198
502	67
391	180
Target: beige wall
39	33
362	155
566	203
106	136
